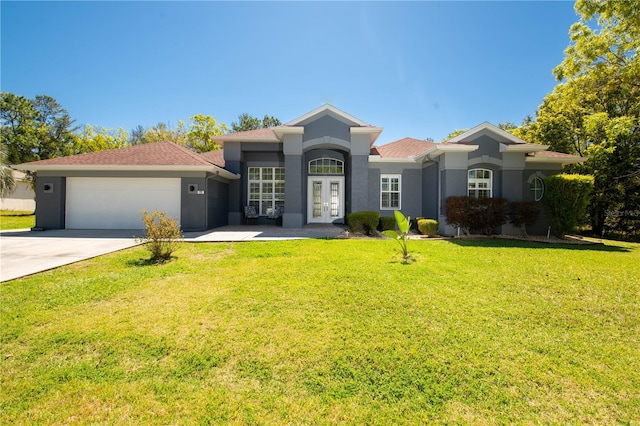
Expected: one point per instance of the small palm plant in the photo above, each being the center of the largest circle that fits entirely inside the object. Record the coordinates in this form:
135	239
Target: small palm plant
402	237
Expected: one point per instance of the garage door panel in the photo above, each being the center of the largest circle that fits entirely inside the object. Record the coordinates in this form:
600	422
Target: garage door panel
116	203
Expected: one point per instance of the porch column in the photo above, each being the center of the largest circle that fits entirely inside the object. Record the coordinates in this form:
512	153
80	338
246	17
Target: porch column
293	216
359	192
512	186
233	163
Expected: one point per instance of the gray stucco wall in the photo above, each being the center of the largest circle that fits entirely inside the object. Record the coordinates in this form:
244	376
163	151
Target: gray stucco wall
50	205
430	191
410	191
326	126
486	146
359	183
217	203
193	205
293	192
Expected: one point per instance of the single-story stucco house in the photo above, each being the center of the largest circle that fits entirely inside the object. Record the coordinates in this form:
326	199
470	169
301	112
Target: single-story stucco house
318	168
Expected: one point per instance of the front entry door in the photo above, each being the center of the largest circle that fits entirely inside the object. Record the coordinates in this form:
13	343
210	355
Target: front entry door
326	199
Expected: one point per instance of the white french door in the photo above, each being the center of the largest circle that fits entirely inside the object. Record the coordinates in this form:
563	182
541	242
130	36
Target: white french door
325	199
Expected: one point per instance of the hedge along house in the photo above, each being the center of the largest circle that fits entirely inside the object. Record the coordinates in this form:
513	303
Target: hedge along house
319	168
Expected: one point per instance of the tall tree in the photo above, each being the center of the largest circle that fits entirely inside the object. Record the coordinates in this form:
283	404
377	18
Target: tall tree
17	127
248	122
595	110
202	129
34	129
94	138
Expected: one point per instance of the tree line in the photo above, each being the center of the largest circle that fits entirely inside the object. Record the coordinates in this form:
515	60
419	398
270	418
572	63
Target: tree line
40	128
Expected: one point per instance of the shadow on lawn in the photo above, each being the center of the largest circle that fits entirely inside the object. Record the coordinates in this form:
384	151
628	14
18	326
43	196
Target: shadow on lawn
515	243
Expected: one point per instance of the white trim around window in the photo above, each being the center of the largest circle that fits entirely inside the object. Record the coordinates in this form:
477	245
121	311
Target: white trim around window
537	188
480	183
390	192
265	189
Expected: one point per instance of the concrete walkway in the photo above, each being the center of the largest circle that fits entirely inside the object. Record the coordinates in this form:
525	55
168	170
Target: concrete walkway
24	252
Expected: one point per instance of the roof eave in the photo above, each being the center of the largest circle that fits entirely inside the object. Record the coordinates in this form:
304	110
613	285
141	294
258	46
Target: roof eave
523	148
111	167
372	131
379	159
556	160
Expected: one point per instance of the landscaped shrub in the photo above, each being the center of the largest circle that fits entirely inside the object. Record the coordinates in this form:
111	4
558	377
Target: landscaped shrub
458	210
476	214
363	221
490	214
567	197
387	223
428	227
523	214
162	236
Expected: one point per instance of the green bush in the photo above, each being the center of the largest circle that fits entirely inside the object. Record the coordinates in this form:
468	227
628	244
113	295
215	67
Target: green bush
567	198
428	227
523	214
387	223
162	236
363	221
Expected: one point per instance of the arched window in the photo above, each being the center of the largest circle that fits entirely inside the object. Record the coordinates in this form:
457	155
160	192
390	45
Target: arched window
537	188
326	166
479	183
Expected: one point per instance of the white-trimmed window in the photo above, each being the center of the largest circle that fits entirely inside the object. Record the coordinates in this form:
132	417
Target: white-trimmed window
390	192
266	188
537	188
479	183
326	166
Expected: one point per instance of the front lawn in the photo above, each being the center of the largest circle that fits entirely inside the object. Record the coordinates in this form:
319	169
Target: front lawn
328	332
16	220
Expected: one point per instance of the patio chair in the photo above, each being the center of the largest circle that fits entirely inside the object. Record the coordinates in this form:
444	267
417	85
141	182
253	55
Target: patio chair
250	215
276	214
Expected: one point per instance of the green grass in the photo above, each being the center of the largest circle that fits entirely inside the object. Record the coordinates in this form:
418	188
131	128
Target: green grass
328	332
16	220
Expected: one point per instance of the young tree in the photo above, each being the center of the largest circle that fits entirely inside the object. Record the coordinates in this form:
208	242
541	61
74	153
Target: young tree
202	129
7	183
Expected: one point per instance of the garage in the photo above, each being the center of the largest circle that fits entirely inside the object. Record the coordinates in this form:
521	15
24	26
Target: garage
116	203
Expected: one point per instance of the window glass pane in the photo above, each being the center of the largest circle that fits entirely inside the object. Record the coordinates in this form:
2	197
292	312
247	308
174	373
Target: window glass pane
254	173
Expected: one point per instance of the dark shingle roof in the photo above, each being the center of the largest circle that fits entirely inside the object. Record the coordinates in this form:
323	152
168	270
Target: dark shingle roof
152	154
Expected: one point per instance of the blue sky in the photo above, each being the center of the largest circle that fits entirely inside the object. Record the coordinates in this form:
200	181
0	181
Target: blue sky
419	69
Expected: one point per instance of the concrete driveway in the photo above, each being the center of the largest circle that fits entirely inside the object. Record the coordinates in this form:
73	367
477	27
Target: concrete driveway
26	253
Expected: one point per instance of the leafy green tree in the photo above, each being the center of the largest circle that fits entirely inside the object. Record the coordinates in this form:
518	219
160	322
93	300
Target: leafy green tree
17	128
162	132
202	129
454	134
34	129
94	138
248	122
595	110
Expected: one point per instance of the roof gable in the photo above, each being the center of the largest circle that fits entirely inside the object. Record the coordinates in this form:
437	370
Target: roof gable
486	129
332	111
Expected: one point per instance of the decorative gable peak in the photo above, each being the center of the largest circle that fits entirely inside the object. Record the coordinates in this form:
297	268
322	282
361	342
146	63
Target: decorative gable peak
331	111
486	129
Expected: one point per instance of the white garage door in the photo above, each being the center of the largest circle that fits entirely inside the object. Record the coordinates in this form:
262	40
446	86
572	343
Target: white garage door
116	203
